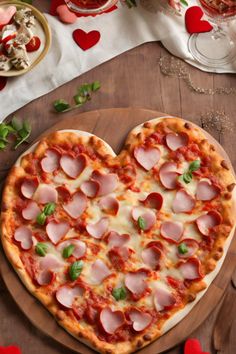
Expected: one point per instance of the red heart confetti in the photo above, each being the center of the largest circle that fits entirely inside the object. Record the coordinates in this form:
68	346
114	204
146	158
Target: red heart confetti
193	346
86	40
3	82
10	350
193	21
55	3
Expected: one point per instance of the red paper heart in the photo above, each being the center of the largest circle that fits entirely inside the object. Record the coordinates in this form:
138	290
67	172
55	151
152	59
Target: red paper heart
3	82
86	40
193	21
56	3
10	350
193	346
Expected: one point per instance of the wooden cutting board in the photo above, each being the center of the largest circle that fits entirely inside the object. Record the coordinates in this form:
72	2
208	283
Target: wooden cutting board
113	125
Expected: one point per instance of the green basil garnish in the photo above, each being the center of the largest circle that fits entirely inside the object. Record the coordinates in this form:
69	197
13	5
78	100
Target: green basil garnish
75	270
141	223
187	175
41	249
49	209
182	248
41	218
119	293
67	251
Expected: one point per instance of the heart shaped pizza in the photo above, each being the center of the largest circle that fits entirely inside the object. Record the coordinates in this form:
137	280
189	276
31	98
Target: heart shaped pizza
119	248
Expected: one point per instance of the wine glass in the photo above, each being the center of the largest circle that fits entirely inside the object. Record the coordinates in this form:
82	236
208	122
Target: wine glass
90	7
218	47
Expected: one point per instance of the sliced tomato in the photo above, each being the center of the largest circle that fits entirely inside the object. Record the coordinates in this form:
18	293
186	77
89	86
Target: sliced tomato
33	44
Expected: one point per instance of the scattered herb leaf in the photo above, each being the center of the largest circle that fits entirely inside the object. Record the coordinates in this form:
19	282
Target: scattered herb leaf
141	223
67	251
187	175
61	105
182	248
119	293
75	270
41	249
49	209
41	218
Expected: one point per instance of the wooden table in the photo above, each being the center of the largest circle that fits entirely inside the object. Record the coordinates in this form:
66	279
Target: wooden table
132	79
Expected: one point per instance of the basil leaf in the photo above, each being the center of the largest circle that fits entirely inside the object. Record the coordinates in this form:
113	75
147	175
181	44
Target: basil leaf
61	105
75	270
41	249
79	100
27	126
41	218
194	165
119	293
141	223
182	248
67	251
187	177
16	124
184	2
96	85
2	145
49	209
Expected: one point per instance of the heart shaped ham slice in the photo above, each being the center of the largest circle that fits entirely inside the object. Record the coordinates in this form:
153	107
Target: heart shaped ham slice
24	235
168	175
31	211
50	162
76	206
136	283
111	320
117	240
206	222
90	188
45	277
191	269
67	295
153	200
151	256
109	205
147	157
28	187
148	216
73	166
98	229
57	230
176	141
163	299
45	194
206	191
172	230
79	250
50	262
99	271
107	182
141	320
183	202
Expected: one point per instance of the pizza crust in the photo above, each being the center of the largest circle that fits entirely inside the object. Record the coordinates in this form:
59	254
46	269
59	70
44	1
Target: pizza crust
90	338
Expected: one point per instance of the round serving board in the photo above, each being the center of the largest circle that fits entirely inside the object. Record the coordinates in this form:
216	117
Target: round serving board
113	125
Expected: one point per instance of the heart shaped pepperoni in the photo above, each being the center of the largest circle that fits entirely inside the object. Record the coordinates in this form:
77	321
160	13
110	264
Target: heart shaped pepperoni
176	141
24	235
50	162
86	40
111	320
66	295
57	230
31	211
73	166
147	157
140	320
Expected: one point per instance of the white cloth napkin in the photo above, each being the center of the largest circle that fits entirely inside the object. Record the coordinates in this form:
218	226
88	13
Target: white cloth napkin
120	30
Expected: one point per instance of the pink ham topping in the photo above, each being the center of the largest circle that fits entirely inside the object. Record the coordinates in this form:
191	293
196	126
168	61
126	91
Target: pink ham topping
147	157
76	206
90	188
73	166
50	162
80	247
31	211
111	320
141	320
163	299
192	247
50	262
206	191
98	229
136	283
172	230
99	271
183	202
28	187
168	175
109	205
147	215
24	235
117	240
176	141
206	222
107	182
57	230
45	194
151	256
67	295
191	269
153	200
45	277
